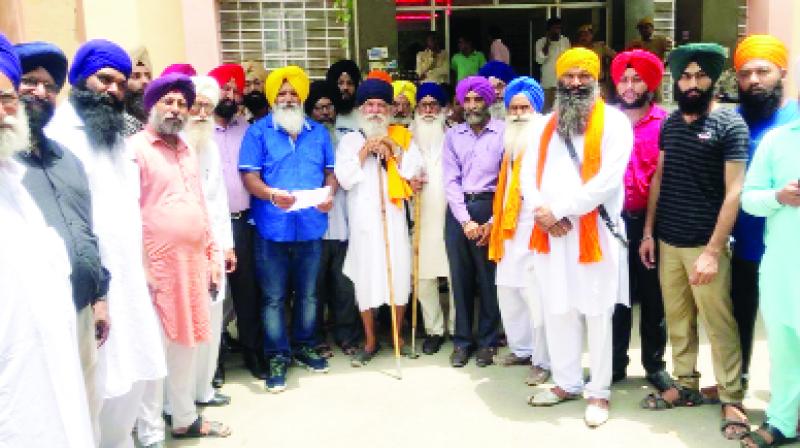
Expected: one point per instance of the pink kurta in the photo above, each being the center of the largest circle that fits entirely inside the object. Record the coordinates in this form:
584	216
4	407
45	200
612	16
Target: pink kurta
177	236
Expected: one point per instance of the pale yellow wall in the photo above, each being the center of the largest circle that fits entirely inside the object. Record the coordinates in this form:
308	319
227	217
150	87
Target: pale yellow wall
201	34
778	18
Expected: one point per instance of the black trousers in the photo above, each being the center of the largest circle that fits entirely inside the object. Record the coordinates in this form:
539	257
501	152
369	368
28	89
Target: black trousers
247	301
471	273
645	288
336	291
744	295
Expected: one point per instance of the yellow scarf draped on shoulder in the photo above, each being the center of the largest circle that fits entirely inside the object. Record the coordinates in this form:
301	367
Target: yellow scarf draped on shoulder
505	211
589	241
398	188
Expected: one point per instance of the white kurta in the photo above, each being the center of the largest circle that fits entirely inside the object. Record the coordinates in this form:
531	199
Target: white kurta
593	288
41	382
337	216
216	197
365	262
133	351
432	253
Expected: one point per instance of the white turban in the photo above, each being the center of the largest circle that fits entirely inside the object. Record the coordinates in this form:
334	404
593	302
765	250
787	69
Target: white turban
207	87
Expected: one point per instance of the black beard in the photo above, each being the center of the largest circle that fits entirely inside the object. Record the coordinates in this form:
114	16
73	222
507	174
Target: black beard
102	115
761	104
696	105
134	104
573	105
226	109
345	106
643	100
255	102
39	111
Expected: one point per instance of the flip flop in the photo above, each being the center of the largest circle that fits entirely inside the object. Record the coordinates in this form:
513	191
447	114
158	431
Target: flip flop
195	430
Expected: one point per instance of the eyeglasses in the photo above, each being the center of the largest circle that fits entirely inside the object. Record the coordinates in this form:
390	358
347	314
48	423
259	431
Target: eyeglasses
32	83
8	98
173	101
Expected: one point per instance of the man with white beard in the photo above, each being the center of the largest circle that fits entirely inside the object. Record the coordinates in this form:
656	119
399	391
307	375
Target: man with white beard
574	180
41	382
405	101
428	131
200	137
90	125
517	290
357	172
280	153
499	75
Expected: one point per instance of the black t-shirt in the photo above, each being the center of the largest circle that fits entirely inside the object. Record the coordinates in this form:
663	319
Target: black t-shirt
693	181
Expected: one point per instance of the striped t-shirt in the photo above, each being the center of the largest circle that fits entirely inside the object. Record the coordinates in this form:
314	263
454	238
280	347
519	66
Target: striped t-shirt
693	180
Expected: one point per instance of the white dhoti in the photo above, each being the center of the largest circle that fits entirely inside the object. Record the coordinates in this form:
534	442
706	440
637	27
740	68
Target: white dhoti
431	305
208	352
119	415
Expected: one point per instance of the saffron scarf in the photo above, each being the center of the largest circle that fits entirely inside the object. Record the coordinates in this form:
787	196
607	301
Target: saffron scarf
505	210
398	188
589	242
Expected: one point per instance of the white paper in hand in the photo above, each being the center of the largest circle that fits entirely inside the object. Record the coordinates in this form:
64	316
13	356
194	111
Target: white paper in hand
309	198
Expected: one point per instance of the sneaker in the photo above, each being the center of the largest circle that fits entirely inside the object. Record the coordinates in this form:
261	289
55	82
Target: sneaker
276	379
311	360
512	359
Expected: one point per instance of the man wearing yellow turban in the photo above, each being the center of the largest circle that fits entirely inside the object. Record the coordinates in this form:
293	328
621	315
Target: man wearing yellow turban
760	62
574	170
405	100
282	153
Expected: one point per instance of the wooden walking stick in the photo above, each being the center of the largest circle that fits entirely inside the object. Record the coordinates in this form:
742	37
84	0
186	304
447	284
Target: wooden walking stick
415	274
389	282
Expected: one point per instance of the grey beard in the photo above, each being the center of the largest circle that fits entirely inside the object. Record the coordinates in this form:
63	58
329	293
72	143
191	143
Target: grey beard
573	107
477	117
163	126
16	137
199	133
498	110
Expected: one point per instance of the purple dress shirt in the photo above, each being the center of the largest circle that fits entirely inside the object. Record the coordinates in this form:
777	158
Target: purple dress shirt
471	163
229	141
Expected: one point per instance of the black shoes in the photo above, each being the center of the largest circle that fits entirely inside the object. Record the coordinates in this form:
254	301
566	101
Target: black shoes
485	356
432	344
219	376
459	357
256	365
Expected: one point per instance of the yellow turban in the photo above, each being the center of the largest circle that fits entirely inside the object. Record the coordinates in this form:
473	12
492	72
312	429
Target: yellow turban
296	77
406	88
760	46
253	69
578	57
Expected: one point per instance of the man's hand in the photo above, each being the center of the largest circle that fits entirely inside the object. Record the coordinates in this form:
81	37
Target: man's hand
705	268
102	324
789	195
560	228
647	252
230	261
326	205
544	217
214	277
417	182
485	234
282	199
472	230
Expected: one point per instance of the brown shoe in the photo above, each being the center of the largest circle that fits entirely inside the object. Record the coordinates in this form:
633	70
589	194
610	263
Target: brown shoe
485	356
512	359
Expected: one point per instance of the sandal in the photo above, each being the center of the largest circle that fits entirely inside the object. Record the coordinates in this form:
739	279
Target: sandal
195	430
549	397
686	398
728	423
362	357
755	436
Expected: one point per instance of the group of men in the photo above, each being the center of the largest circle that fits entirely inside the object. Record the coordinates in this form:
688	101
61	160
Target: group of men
138	194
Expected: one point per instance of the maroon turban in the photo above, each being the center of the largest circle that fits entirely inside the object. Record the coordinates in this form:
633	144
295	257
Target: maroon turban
647	65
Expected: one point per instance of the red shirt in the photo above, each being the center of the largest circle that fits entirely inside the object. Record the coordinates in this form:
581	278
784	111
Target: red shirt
644	159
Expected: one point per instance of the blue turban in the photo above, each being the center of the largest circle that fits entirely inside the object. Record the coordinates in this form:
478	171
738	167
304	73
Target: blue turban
9	61
374	88
97	54
477	84
165	84
528	87
499	70
33	55
432	89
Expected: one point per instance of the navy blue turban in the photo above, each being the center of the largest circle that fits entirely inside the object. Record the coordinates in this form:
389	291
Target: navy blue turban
374	88
33	55
434	90
499	70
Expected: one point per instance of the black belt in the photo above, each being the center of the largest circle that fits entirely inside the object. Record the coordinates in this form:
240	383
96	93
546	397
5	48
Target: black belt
482	196
639	214
240	215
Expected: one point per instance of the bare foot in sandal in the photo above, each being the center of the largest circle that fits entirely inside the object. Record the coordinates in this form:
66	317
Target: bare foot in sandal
202	428
672	397
735	424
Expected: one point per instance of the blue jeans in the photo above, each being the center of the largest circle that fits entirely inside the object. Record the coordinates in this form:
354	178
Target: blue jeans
276	264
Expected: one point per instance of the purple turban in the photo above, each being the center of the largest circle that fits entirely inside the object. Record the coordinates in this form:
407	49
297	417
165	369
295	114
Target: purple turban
185	69
374	88
528	87
97	54
33	55
477	84
165	84
499	70
9	61
432	89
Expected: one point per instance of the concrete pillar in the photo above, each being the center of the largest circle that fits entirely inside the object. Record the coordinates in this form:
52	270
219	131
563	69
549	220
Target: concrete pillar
778	18
376	27
635	10
201	34
720	21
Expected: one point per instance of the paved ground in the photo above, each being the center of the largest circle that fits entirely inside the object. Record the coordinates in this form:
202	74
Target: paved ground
435	405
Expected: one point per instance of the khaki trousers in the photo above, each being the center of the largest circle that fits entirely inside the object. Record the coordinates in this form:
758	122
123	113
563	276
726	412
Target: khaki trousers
683	303
87	349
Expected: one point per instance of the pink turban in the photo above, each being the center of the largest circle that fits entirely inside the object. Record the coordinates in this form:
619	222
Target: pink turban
477	84
185	69
647	65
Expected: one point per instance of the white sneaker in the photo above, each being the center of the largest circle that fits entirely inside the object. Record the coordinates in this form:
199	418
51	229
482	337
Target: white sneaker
595	415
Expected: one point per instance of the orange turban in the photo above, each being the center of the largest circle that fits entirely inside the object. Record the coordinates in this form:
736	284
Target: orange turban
760	46
380	74
578	57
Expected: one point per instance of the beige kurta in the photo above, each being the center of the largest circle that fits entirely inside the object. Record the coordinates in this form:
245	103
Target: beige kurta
432	253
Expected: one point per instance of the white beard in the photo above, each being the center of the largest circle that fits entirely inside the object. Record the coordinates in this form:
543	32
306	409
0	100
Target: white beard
518	134
289	117
374	125
402	121
498	110
428	134
199	133
15	135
